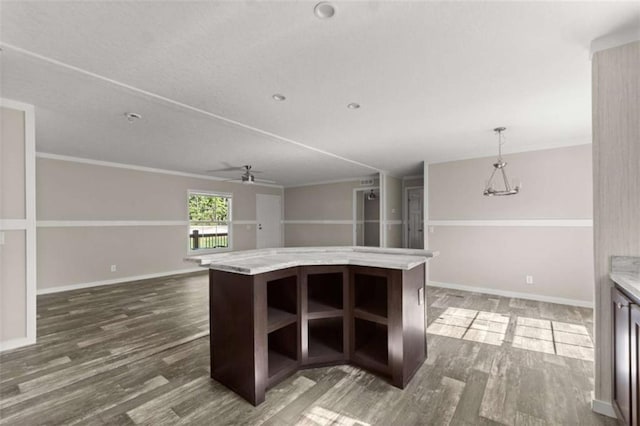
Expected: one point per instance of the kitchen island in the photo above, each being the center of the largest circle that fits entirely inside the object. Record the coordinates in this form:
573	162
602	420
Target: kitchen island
273	311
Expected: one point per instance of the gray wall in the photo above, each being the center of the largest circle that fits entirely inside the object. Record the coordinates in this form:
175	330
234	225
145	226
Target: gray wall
557	190
13	277
320	215
72	251
616	162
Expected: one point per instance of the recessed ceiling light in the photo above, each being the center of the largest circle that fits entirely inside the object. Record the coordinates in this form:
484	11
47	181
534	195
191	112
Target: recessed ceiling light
324	10
353	105
132	116
279	97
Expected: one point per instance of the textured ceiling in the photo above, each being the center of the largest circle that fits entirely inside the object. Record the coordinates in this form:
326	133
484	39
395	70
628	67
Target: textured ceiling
433	78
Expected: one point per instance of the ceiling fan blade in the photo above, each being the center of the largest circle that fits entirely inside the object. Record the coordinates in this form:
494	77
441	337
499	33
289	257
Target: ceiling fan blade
265	181
228	169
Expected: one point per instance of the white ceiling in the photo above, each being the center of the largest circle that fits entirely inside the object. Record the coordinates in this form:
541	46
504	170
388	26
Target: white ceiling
433	79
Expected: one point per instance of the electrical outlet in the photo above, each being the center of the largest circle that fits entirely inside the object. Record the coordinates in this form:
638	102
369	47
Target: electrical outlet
114	268
529	279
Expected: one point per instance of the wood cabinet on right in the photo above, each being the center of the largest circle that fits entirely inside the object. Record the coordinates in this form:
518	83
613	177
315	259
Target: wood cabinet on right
635	379
626	345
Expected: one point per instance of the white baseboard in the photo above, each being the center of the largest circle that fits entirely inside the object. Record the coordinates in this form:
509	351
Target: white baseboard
7	345
518	295
116	281
603	407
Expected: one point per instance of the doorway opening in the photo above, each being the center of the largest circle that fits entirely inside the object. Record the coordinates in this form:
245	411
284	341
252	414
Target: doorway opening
366	217
414	222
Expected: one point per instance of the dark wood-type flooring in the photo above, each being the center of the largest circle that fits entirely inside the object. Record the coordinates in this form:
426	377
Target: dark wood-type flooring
138	353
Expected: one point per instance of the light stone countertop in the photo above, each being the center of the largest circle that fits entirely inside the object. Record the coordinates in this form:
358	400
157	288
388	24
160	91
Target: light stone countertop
253	262
625	271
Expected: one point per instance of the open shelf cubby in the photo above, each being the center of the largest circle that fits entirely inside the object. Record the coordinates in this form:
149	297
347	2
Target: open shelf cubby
371	344
282	302
324	295
326	339
283	351
370	297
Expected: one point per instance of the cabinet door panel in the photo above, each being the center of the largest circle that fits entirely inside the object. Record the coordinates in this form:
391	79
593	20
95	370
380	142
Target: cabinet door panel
621	356
635	346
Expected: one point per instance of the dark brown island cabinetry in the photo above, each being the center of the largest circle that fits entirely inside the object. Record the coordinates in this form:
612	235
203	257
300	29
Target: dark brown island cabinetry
626	342
265	327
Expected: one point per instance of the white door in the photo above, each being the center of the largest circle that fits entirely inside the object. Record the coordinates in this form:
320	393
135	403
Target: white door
269	217
415	225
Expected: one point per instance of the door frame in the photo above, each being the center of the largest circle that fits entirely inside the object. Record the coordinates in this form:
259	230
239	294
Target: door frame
405	219
354	214
26	224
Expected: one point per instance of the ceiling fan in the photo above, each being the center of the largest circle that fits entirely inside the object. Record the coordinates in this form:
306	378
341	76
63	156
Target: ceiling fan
247	176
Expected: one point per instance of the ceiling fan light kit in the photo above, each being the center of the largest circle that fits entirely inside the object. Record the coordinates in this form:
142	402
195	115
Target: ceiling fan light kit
500	165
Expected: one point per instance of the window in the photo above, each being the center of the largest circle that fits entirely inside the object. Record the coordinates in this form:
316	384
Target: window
209	221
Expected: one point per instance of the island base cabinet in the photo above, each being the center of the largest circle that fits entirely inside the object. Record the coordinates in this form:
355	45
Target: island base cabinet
265	327
626	353
635	354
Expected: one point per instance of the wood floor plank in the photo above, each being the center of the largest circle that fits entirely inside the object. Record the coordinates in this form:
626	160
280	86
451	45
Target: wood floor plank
138	353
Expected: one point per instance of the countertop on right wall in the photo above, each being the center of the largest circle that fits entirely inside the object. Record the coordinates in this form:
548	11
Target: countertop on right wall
625	271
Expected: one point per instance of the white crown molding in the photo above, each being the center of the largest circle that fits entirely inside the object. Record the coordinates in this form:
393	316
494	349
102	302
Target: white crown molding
513	294
616	39
327	182
486	153
142	168
180	104
559	223
120	280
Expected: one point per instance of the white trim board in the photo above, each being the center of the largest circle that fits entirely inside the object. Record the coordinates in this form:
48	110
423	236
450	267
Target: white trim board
616	39
104	223
603	407
513	294
120	280
317	222
574	223
143	168
10	344
107	223
13	224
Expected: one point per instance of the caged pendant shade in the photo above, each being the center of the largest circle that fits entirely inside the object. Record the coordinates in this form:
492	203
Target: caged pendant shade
498	168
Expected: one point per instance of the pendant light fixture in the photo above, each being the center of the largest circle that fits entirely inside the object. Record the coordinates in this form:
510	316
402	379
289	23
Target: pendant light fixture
371	196
499	165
